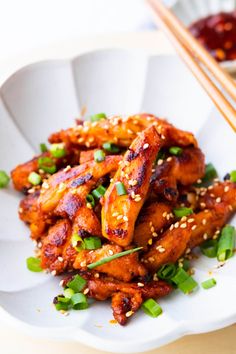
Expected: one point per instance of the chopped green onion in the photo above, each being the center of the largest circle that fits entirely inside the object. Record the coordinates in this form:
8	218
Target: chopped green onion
79	301
61	298
120	188
90	200
111	258
92	243
180	276
188	285
175	150
99	156
210	173
34	178
97	117
47	165
209	248
62	306
110	147
207	284
74	240
58	150
33	264
151	308
68	293
233	176
4	179
43	147
180	212
226	243
98	192
167	271
77	284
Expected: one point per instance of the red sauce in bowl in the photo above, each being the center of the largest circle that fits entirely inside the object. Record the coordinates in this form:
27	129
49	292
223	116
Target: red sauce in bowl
217	33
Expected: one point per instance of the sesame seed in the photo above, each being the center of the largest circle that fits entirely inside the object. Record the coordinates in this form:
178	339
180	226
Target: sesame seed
193	227
162	250
140	285
119	217
155	278
164	214
212	195
218	200
184	218
111	252
125	218
45	185
89	205
150	223
126	175
96	275
73	191
199	181
129	131
151	259
188	250
176	225
132	182
154	234
60	259
129	313
62	186
54	272
230	208
152	229
126	163
160	162
204	221
111	180
145	146
171	227
206	211
150	241
20	210
83	264
115	214
210	187
137	199
80	140
202	205
205	236
163	137
215	237
39	244
217	232
122	174
183	226
226	189
86	291
91	139
67	168
169	159
61	282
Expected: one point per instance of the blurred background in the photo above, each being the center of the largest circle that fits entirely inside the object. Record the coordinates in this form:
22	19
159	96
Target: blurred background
29	24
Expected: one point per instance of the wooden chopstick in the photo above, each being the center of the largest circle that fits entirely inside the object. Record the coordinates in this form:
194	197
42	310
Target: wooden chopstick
183	43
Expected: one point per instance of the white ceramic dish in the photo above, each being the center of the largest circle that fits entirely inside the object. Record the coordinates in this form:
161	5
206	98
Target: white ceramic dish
189	11
47	96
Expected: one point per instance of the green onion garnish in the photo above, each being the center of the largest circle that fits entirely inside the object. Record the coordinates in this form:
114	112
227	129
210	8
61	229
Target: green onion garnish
111	258
33	264
64	299
226	243
79	301
207	284
62	305
4	179
77	284
175	150
97	117
98	192
92	243
68	293
110	147
99	156
151	308
90	200
58	150
184	281
209	248
47	165
43	147
74	240
167	271
120	188
210	173
233	176
34	178
180	276
180	212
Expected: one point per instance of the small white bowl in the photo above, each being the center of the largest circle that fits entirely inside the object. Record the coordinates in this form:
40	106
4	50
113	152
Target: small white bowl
189	11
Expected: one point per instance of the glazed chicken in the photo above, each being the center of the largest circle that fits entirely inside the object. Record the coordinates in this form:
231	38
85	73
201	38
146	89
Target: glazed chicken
108	214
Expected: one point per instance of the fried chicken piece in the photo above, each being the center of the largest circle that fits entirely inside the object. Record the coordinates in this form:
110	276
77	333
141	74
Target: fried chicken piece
124	268
122	131
151	220
224	192
119	213
126	297
191	231
185	169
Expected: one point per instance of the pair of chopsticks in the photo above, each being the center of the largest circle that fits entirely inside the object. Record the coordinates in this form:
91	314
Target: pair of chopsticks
196	57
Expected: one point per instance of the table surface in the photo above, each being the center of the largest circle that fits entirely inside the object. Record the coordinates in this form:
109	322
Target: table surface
12	341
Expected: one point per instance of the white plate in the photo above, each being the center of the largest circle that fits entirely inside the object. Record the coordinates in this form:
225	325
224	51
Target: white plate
44	97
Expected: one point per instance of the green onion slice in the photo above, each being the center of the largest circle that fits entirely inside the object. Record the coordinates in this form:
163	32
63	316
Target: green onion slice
180	276
226	243
47	165
43	147
98	192
79	301
151	308
207	284
99	156
33	264
4	179
90	200
62	306
74	240
58	150
175	150
110	147
34	178
68	293
77	284
111	258
64	299
209	248
97	117
233	176
188	285
92	243
183	211
167	271
120	188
